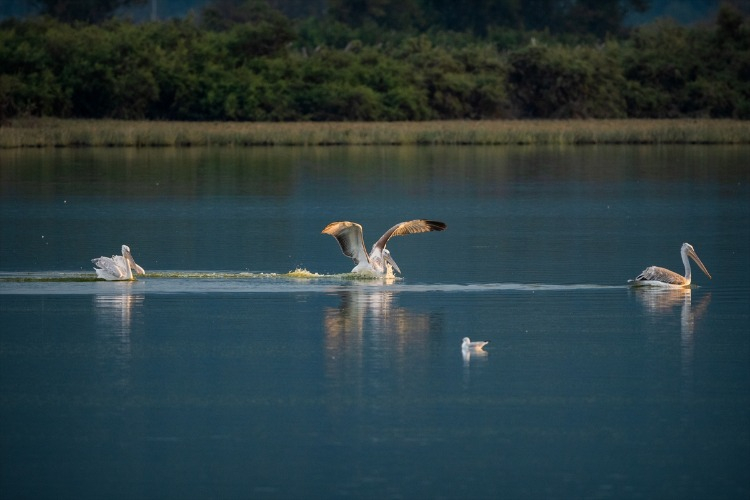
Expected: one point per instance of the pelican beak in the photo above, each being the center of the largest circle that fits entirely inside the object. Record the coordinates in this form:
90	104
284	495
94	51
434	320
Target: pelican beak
135	267
695	258
389	260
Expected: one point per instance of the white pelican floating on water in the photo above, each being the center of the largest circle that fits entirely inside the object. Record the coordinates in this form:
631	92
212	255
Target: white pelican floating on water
658	276
117	267
379	260
467	344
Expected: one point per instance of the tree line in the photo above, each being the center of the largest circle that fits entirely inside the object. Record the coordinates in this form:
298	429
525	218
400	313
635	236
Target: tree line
255	63
596	16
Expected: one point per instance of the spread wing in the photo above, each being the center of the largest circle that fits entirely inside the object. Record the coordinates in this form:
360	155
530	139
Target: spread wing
409	227
349	236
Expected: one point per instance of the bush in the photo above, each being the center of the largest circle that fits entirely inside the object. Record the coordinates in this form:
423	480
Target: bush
560	82
262	68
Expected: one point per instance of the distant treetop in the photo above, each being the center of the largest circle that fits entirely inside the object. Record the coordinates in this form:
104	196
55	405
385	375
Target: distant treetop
89	11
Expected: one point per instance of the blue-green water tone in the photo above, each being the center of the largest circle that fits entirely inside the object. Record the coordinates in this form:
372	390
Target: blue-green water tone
222	375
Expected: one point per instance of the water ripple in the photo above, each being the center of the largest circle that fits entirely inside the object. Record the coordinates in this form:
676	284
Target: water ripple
296	281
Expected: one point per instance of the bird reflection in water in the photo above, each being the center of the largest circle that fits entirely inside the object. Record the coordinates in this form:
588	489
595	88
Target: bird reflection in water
368	334
115	315
660	302
472	352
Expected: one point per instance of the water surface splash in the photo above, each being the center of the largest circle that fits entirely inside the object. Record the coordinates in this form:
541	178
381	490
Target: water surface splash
297	280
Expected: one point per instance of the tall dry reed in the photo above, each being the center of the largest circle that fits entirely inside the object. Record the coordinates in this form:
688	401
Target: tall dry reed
28	132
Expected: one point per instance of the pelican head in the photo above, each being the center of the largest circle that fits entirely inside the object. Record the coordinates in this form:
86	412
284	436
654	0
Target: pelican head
389	259
687	249
131	262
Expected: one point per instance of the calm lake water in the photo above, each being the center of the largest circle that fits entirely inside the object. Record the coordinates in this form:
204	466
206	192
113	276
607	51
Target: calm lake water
222	375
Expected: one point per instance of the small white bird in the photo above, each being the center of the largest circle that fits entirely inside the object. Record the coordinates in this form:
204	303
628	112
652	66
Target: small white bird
467	344
117	267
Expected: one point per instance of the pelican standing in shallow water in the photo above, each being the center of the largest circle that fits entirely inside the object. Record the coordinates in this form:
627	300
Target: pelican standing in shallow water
658	276
117	267
379	260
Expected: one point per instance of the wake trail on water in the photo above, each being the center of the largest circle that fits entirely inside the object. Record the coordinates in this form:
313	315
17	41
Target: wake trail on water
299	279
74	276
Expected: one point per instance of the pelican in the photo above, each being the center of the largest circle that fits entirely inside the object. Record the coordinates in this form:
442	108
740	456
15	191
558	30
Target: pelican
467	344
117	267
658	276
379	260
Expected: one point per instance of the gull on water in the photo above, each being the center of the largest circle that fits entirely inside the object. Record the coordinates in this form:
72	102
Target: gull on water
117	267
658	276
467	344
379	261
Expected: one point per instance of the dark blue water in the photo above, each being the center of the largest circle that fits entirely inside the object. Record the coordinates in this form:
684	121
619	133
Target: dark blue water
220	375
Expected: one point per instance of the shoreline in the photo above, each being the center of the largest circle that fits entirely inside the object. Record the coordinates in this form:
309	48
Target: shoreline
57	133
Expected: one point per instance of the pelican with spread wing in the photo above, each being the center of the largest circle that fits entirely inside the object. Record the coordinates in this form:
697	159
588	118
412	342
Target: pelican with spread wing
658	276
379	261
117	267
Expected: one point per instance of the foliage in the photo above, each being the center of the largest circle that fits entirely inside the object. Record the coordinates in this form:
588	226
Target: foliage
481	16
89	11
561	82
598	17
676	71
388	14
264	67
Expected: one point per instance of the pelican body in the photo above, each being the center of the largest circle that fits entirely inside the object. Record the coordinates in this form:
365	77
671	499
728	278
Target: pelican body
658	276
467	344
379	261
117	267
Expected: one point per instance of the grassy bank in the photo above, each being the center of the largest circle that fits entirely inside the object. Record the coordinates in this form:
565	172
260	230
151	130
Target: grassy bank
23	133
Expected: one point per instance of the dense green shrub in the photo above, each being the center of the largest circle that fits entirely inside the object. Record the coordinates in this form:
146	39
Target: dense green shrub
562	82
675	71
270	70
